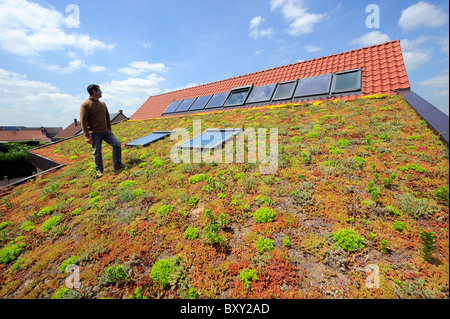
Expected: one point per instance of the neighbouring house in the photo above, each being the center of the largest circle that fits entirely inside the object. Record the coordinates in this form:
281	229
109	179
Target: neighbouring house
75	127
22	136
50	132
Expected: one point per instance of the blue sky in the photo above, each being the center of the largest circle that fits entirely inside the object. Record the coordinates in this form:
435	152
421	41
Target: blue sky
50	51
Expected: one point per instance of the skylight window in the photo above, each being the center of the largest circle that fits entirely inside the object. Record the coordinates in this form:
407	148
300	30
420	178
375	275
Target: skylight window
317	85
238	96
262	93
217	100
285	90
185	105
172	107
200	103
211	138
148	139
347	81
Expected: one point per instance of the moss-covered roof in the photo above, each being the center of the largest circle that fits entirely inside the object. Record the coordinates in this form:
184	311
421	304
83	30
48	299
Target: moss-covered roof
356	183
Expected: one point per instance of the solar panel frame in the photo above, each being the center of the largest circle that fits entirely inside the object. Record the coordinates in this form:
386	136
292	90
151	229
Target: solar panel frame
185	105
215	141
148	139
172	107
200	102
316	85
287	96
267	93
217	100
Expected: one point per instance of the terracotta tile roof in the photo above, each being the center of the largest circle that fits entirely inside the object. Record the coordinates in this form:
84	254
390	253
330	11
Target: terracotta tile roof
17	136
383	72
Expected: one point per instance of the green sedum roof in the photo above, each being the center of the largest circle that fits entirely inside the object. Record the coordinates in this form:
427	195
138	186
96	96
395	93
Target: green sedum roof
369	166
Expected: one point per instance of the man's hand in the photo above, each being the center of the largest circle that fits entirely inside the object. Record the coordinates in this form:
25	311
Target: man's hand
89	140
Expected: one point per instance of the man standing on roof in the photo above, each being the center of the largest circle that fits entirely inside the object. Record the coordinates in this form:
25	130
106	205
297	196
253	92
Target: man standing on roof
96	125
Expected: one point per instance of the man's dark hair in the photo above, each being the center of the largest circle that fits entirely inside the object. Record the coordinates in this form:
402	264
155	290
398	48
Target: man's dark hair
92	87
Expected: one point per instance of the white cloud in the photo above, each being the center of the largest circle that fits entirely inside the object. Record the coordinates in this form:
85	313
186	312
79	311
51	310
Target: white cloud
295	13
371	38
422	14
26	102
138	67
128	95
29	29
414	59
76	64
439	82
255	32
189	85
416	52
145	45
313	48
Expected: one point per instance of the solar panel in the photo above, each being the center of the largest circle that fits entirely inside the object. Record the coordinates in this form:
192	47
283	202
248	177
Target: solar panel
185	105
217	100
172	107
316	85
211	138
148	139
284	90
261	93
200	103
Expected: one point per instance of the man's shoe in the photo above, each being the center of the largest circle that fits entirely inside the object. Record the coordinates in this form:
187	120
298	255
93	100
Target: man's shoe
118	167
99	174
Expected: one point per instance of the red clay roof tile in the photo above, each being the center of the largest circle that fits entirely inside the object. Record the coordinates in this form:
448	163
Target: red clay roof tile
383	72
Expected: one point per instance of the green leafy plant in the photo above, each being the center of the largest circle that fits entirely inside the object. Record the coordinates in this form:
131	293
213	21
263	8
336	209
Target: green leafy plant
164	210
126	184
384	243
441	194
428	244
167	271
113	275
286	242
247	276
348	240
191	232
373	190
69	261
264	245
197	178
399	225
264	215
11	251
51	222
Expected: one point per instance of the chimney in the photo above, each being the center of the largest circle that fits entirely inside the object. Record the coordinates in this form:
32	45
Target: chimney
75	122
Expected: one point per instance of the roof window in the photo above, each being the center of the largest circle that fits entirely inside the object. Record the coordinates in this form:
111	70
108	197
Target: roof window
284	90
217	100
262	93
347	81
172	106
148	139
211	139
238	96
317	85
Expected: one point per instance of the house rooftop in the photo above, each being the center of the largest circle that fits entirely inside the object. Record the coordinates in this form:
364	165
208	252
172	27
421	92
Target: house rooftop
382	65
